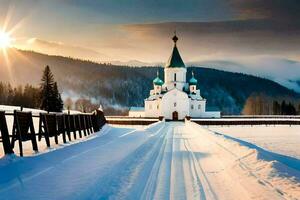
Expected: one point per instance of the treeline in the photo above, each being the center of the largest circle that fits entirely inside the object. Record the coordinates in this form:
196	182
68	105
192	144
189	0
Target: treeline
19	96
260	104
120	87
81	104
46	97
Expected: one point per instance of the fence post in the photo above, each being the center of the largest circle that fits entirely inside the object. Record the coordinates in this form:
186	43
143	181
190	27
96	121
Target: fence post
5	135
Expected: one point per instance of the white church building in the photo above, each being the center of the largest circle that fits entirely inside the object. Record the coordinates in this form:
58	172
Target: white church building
174	98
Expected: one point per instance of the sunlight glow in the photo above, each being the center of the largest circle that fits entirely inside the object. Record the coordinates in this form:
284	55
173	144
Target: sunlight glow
5	40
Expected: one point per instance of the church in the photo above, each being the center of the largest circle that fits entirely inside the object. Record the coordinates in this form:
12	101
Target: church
174	98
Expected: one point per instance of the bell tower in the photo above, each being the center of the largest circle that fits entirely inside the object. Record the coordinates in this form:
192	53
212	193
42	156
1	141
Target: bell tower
175	70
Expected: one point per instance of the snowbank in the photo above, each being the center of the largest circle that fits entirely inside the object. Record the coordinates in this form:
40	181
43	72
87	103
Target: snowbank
277	172
281	139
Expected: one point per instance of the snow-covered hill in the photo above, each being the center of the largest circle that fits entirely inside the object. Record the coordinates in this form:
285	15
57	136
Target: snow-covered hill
169	160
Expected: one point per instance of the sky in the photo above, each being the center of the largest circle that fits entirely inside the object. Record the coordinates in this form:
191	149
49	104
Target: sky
209	31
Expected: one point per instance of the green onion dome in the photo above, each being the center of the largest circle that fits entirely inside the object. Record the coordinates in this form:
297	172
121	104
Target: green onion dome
158	81
193	81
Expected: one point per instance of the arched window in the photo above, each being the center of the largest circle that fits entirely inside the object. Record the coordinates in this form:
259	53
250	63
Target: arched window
192	106
199	107
150	106
157	107
175	104
175	77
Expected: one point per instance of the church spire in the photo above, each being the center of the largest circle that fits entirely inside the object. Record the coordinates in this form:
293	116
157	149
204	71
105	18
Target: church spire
175	59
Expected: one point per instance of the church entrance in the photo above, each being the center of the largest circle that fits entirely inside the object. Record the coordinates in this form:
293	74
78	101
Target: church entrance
175	116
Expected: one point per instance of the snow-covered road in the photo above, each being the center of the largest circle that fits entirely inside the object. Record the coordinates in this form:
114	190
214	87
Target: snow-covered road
173	160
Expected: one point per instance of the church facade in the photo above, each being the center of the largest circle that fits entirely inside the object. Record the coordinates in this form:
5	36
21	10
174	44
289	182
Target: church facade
174	98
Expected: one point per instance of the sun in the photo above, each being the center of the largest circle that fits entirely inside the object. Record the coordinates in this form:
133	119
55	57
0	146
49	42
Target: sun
5	40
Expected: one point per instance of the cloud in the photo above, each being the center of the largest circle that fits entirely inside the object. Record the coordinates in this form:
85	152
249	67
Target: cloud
59	48
283	71
279	10
228	38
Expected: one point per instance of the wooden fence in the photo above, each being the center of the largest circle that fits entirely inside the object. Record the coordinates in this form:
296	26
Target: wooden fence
254	121
228	120
131	120
50	125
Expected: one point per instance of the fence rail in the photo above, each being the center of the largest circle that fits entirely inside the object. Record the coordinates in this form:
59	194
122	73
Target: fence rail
50	125
131	120
235	121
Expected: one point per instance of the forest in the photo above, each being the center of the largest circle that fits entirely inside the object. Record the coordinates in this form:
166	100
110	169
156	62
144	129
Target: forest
117	88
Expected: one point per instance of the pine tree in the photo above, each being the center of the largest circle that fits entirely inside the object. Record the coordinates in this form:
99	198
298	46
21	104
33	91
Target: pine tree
276	108
283	108
47	96
58	101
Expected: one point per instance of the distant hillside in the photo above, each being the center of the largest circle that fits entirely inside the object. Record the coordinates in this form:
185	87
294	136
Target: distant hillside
121	86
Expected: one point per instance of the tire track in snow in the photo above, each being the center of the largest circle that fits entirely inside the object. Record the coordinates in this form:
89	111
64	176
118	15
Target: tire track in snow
127	177
149	190
212	137
206	190
163	181
178	190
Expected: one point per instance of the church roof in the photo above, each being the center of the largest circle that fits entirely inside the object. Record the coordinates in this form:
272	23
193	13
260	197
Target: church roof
175	59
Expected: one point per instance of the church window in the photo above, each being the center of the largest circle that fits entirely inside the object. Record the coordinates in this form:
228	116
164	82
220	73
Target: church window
157	107
199	106
175	104
175	77
192	106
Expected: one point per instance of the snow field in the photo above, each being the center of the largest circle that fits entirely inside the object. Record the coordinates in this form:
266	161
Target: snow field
166	160
282	139
255	173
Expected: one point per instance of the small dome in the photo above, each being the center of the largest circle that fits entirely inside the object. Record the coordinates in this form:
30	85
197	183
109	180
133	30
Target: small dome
193	81
158	81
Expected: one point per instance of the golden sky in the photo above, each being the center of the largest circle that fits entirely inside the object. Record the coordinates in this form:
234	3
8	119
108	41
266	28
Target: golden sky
107	30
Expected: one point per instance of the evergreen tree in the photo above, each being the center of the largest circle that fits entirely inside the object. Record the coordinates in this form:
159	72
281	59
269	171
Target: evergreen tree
47	95
276	108
58	101
291	109
283	108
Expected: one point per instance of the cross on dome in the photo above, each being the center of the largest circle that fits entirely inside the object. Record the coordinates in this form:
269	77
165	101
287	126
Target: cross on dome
175	38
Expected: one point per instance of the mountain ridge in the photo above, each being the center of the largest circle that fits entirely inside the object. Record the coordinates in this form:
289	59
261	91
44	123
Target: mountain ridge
120	87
